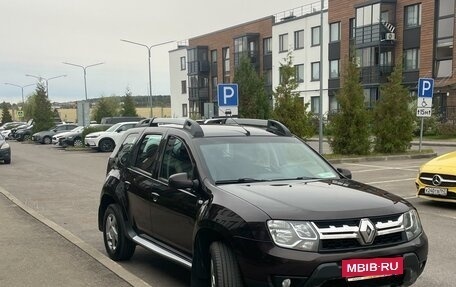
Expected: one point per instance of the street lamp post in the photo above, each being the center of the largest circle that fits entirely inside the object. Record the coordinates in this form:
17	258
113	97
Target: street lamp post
150	77
22	89
84	68
46	80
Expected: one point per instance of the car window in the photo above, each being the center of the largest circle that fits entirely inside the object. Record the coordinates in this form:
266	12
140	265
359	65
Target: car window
262	158
125	149
176	159
147	153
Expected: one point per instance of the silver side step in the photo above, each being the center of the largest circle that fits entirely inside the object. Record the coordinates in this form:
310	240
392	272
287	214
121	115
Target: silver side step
161	251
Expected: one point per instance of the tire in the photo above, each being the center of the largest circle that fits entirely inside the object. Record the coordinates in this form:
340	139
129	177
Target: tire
118	246
47	140
27	137
78	142
106	145
224	269
8	160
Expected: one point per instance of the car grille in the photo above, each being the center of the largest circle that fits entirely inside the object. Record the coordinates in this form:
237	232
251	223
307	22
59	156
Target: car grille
448	180
343	235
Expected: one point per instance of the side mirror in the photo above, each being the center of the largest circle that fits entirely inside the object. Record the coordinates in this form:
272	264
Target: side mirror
345	172
181	181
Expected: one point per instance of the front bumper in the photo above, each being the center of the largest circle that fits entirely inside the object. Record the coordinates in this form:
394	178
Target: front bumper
449	197
91	142
5	153
265	265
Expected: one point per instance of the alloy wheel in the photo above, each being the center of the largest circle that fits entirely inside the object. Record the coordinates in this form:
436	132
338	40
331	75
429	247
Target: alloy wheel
112	235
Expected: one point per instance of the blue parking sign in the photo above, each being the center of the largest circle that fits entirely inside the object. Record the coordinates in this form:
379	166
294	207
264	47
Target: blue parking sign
227	95
425	88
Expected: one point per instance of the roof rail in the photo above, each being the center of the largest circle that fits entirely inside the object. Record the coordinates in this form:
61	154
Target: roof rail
194	128
278	128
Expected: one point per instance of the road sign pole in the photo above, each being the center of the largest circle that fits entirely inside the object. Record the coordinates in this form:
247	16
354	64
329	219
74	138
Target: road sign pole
421	133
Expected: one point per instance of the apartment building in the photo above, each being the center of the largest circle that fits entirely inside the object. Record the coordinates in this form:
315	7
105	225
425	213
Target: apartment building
297	32
381	32
178	80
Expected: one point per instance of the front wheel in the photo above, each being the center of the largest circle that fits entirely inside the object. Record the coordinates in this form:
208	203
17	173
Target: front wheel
224	267
8	160
106	145
47	140
118	245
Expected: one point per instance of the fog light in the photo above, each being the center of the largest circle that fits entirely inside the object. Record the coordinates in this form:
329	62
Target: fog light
286	283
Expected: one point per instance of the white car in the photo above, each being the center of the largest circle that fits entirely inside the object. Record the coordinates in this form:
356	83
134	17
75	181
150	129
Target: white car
106	141
55	138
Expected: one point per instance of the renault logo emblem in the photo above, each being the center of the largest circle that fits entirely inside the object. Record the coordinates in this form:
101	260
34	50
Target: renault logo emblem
367	231
437	180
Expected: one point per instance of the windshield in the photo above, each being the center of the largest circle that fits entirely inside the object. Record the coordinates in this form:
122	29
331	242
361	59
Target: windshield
249	159
77	129
114	127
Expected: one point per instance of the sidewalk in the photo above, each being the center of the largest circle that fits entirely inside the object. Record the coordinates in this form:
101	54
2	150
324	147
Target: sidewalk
33	253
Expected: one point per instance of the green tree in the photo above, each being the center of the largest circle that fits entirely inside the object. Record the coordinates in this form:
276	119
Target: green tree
106	107
253	101
128	107
6	115
393	116
289	108
29	106
349	127
41	112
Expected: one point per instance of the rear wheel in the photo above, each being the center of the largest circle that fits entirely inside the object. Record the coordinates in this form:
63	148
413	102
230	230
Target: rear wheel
118	245
224	267
106	145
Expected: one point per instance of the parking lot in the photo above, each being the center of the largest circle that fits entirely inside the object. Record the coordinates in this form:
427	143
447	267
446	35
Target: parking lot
64	187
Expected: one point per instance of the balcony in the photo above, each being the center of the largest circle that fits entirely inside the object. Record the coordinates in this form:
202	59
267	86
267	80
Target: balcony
375	74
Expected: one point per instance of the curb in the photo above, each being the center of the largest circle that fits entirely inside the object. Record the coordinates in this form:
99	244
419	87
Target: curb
116	268
382	158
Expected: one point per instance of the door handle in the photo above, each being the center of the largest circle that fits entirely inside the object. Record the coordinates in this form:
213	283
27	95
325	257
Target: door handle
155	196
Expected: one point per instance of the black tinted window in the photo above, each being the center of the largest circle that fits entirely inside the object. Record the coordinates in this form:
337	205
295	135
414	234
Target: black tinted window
147	152
176	159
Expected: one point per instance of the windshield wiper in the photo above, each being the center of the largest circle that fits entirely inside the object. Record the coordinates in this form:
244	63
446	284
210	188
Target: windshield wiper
297	178
240	180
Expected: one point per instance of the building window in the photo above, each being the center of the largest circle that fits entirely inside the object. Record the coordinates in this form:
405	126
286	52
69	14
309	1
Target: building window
315	71
334	69
444	68
183	87
214	56
315	105
352	27
334	32
412	16
446	7
226	64
445	27
184	110
411	59
267	46
283	43
299	39
183	63
267	77
316	36
299	73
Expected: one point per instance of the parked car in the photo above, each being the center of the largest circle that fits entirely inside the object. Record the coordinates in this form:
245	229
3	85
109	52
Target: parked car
436	179
11	125
154	122
57	138
106	141
45	137
116	120
5	151
23	134
248	206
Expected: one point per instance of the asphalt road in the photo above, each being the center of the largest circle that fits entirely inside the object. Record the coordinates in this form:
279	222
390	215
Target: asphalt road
64	187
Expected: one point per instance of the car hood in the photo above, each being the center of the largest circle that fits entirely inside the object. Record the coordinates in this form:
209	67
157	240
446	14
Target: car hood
445	163
72	134
62	134
318	199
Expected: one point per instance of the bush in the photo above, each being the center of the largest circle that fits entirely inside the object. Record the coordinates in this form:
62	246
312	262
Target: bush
446	129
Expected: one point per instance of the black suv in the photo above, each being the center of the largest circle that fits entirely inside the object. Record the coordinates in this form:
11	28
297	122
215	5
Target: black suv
252	206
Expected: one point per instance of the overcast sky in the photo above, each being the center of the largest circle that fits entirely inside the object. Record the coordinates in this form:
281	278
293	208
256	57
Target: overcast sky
37	36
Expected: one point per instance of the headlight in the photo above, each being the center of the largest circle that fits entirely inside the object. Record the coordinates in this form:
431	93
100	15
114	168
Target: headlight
4	146
298	235
412	224
70	137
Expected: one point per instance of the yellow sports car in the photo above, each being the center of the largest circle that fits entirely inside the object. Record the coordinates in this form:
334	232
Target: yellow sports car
437	178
